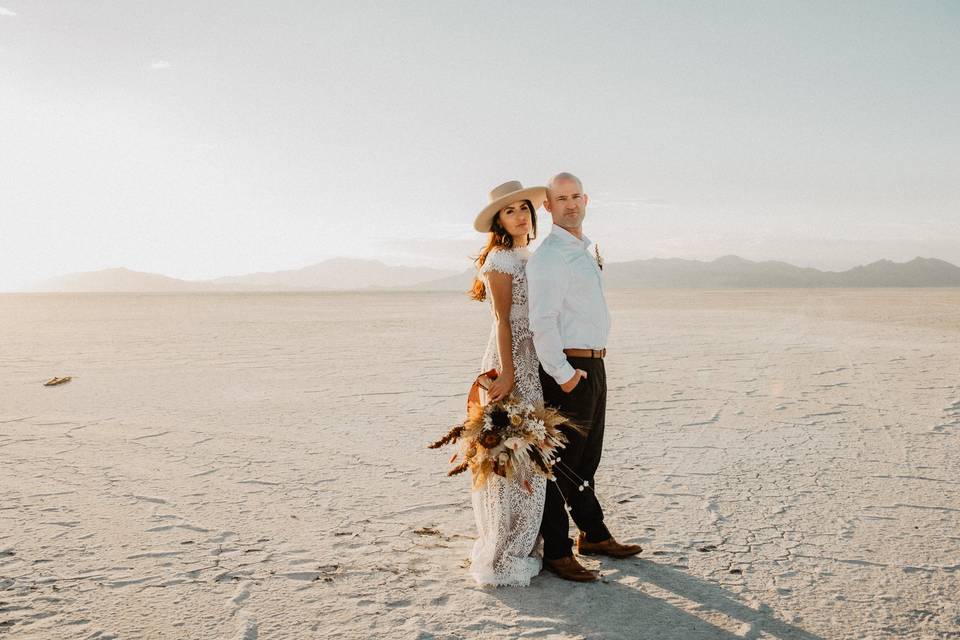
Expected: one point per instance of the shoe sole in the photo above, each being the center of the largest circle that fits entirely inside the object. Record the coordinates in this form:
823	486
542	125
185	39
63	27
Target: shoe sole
609	555
594	577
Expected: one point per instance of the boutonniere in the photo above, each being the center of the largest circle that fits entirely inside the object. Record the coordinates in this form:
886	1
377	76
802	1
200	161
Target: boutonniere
596	252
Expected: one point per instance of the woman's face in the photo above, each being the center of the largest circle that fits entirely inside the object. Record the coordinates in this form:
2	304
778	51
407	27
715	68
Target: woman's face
515	218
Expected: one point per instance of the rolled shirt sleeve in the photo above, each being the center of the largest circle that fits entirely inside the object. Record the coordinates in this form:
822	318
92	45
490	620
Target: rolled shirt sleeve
547	283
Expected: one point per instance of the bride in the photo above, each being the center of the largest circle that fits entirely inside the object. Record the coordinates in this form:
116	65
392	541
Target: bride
508	513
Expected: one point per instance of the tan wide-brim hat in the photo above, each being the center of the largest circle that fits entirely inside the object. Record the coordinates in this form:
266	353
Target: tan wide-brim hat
505	194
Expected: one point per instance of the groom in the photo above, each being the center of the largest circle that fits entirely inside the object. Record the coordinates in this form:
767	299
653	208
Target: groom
570	324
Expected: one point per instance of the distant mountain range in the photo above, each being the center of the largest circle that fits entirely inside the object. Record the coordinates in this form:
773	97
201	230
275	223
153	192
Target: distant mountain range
337	274
732	272
348	274
735	272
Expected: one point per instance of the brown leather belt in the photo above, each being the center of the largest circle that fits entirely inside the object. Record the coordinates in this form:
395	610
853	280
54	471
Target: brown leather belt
586	353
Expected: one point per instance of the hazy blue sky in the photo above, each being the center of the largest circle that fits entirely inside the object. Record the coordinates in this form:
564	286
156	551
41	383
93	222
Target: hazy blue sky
199	139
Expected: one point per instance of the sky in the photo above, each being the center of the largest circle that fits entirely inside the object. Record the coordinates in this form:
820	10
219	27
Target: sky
199	139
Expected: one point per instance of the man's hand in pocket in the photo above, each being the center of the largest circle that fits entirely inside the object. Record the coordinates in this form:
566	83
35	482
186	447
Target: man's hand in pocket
572	383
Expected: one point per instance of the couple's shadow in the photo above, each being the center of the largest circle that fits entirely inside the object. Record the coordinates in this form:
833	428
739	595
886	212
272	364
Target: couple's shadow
617	610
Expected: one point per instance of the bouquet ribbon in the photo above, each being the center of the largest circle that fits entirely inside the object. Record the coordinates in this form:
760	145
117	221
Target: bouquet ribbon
483	380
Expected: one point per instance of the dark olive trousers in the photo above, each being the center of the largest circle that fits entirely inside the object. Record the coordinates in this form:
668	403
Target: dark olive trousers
586	406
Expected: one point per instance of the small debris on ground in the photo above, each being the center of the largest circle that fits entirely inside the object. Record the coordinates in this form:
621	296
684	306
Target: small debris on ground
427	531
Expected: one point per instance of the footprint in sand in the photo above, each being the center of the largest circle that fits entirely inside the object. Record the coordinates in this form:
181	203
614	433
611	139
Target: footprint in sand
246	623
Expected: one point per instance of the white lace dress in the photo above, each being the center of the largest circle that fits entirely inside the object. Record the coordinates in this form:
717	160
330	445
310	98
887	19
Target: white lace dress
507	514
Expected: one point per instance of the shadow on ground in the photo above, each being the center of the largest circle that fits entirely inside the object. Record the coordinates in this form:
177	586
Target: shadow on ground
616	610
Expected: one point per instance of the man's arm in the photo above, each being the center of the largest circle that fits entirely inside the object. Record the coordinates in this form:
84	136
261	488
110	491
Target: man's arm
547	283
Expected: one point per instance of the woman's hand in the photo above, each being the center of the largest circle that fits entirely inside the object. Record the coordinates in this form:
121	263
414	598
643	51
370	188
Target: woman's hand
501	387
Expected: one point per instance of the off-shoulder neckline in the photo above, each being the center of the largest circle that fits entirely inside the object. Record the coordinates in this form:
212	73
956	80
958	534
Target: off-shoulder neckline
518	250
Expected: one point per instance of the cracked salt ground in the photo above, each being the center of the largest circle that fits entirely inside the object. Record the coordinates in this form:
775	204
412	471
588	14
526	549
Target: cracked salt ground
788	459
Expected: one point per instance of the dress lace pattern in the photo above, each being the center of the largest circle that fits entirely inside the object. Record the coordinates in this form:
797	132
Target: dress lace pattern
507	515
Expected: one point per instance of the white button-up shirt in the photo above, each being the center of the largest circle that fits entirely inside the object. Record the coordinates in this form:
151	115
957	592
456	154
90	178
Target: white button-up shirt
568	309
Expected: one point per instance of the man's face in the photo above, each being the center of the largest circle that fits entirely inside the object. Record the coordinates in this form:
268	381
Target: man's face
567	203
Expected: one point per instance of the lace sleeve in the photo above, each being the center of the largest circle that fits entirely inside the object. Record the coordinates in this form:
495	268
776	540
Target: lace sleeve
501	261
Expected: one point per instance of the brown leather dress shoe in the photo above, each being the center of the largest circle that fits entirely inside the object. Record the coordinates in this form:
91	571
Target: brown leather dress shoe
569	569
608	547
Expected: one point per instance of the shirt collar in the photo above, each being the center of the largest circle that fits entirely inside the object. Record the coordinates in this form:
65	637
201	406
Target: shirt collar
568	238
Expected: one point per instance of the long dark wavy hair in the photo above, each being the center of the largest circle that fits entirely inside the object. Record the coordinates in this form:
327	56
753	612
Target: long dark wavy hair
499	238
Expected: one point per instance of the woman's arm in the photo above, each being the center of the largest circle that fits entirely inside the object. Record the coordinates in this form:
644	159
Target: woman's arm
500	287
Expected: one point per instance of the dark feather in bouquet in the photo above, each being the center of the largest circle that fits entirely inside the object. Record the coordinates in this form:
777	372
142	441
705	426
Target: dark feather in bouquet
452	436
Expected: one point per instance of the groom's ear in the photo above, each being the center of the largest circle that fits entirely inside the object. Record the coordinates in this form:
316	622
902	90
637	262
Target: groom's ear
546	205
586	199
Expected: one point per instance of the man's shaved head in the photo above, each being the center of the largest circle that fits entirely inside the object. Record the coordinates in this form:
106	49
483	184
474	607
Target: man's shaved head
566	202
563	176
